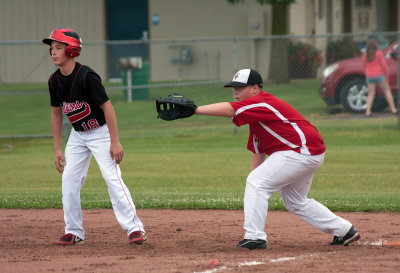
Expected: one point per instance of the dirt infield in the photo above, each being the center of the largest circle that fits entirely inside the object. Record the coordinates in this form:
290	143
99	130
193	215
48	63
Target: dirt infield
187	240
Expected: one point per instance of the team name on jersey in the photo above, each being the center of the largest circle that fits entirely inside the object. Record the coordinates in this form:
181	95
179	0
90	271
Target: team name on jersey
80	110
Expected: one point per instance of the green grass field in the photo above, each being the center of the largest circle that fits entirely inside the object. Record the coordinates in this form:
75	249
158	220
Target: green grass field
200	162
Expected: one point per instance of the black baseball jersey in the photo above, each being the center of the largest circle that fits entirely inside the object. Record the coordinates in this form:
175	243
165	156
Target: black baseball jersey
79	94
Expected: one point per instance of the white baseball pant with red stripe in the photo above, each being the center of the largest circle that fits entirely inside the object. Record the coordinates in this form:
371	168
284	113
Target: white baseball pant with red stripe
78	152
292	174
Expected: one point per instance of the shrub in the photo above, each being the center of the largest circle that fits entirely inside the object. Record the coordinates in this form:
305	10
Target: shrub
342	49
303	60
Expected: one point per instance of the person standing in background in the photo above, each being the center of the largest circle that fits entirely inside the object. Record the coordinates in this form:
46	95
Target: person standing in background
377	74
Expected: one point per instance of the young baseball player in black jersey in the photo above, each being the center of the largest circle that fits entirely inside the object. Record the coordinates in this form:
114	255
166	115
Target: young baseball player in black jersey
76	90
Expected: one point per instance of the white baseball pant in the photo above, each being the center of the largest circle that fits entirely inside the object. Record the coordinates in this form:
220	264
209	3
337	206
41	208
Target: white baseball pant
292	174
78	152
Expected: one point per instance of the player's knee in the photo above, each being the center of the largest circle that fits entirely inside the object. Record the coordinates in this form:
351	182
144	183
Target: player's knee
69	175
294	205
253	182
107	177
110	178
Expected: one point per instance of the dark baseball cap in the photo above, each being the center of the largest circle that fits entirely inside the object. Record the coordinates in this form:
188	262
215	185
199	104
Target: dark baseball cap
246	77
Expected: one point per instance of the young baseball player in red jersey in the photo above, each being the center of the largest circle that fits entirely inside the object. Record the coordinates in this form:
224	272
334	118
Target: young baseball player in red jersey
77	91
295	152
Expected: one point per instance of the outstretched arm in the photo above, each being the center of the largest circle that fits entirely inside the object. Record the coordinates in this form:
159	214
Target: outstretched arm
222	109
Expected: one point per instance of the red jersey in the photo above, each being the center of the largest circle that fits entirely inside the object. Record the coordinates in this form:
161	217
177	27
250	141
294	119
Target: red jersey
276	126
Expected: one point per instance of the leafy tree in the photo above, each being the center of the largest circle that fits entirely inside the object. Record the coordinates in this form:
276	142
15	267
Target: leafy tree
278	71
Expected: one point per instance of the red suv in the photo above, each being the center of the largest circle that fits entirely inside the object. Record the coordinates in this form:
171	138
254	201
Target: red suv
344	83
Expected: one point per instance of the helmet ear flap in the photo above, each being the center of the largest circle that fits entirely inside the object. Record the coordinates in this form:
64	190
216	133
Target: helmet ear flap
73	51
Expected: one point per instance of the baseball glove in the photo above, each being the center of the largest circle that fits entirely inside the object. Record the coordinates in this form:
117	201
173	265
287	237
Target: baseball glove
175	106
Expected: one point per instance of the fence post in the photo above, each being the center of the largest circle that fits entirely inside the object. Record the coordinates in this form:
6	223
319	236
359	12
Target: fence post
235	63
235	69
398	81
129	84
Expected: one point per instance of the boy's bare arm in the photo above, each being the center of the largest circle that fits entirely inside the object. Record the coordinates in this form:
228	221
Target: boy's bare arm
56	128
257	160
222	109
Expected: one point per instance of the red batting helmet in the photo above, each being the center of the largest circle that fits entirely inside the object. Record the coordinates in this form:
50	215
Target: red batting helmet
67	36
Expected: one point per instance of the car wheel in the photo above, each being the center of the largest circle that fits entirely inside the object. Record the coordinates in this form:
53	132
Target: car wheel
353	95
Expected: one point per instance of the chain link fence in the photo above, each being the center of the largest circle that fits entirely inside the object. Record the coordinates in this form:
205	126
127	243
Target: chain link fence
320	75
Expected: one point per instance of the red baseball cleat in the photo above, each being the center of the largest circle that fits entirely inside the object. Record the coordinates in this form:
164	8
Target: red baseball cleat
137	237
69	239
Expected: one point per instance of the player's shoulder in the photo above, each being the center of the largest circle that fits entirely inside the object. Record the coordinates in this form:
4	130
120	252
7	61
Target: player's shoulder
53	79
88	77
54	74
260	97
88	72
85	68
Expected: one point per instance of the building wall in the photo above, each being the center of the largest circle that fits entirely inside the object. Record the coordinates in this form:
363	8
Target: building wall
397	23
364	18
32	20
301	17
205	19
337	16
29	21
312	16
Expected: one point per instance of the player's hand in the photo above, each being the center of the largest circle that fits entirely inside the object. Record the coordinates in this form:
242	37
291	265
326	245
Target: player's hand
59	161
116	152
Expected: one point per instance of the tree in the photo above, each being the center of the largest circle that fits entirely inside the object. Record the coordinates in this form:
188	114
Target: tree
278	71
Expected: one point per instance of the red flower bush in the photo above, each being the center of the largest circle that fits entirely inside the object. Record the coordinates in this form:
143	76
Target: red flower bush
342	49
303	60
